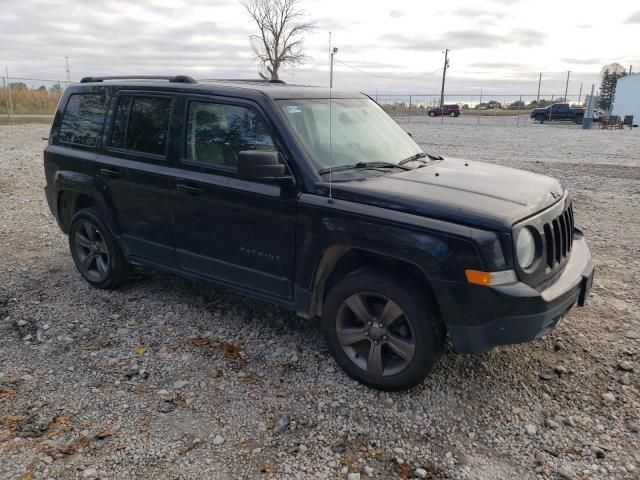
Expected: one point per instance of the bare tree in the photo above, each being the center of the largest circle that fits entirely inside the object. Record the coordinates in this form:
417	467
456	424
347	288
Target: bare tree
282	27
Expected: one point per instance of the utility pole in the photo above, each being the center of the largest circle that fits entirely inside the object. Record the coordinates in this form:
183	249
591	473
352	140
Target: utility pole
587	121
539	83
66	59
566	87
10	102
333	52
580	95
6	93
630	69
444	76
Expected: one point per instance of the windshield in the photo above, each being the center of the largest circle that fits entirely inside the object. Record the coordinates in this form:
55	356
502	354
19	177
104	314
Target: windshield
361	131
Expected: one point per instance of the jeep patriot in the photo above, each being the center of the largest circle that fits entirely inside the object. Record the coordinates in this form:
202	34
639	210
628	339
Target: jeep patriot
320	203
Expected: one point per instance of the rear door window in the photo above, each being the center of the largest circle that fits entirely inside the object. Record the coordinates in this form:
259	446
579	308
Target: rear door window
141	124
83	119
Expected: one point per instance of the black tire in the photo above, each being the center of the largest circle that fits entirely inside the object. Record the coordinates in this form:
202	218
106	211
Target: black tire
540	118
578	119
432	114
95	252
416	332
453	114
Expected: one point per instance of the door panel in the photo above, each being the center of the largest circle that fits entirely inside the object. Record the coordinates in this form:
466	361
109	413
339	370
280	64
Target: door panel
136	165
231	230
140	197
235	231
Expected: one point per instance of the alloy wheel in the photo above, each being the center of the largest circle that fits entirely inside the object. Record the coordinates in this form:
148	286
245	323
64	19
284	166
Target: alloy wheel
91	251
375	333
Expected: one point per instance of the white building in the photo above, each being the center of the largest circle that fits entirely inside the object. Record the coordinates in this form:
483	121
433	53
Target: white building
627	97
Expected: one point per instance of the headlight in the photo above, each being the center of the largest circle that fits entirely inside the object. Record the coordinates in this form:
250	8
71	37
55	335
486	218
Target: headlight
525	248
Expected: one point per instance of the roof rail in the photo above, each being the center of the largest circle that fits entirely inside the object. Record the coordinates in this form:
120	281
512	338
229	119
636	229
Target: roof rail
248	80
171	79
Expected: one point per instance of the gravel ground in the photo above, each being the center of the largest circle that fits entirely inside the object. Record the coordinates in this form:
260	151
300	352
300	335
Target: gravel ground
166	378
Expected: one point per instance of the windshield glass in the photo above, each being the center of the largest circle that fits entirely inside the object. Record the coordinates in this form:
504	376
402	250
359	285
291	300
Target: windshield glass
361	131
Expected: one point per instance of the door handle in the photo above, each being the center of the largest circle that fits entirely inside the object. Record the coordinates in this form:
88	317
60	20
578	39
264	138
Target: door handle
190	189
110	172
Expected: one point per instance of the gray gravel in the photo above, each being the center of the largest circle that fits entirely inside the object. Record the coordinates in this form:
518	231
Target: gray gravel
166	378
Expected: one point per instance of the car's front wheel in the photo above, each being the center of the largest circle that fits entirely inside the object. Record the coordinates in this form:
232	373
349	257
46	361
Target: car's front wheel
95	252
540	118
381	330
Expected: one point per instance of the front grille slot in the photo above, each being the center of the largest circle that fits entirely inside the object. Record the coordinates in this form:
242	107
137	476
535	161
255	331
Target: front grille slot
558	237
548	241
563	235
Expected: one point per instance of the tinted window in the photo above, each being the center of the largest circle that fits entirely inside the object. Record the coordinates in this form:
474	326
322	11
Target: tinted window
141	124
83	118
121	117
217	132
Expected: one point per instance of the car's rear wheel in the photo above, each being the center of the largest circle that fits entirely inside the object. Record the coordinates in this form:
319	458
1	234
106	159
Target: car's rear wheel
578	119
95	252
381	330
540	118
453	114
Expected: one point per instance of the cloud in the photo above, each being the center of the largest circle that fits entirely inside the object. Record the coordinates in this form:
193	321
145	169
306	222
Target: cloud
464	39
584	61
499	65
476	12
396	14
635	18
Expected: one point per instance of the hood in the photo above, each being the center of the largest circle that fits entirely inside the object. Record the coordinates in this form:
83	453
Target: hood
470	193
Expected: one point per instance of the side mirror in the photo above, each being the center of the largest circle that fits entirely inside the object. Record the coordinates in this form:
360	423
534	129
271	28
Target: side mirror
262	166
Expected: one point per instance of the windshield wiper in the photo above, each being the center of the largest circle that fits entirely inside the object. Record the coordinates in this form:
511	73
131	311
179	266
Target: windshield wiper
420	156
368	165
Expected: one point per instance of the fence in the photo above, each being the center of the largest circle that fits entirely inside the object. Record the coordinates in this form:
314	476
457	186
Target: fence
29	96
407	108
33	96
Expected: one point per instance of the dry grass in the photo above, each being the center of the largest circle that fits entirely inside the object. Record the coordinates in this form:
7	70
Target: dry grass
23	120
27	101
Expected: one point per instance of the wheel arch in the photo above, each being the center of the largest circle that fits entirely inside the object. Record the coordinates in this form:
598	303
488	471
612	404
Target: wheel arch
70	202
340	260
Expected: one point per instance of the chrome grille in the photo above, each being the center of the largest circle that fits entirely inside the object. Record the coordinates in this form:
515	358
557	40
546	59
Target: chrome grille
558	237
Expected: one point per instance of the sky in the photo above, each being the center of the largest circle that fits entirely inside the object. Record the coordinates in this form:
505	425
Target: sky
386	47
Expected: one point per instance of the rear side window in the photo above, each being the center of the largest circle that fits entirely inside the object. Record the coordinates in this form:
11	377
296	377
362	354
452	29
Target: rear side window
141	124
216	132
83	119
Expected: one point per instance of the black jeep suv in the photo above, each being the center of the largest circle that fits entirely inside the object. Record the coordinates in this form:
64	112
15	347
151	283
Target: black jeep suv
323	205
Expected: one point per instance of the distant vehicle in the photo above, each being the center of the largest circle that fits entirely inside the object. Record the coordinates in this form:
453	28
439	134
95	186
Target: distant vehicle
451	110
557	111
598	113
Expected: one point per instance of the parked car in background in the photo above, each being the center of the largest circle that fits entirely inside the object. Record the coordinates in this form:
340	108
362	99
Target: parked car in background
558	111
598	114
450	110
236	183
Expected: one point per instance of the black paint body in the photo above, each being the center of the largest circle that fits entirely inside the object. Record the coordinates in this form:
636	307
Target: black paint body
286	244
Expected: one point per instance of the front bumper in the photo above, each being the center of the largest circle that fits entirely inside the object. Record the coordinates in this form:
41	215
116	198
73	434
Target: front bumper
518	313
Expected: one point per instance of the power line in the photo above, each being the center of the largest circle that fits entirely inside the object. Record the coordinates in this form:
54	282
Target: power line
385	76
